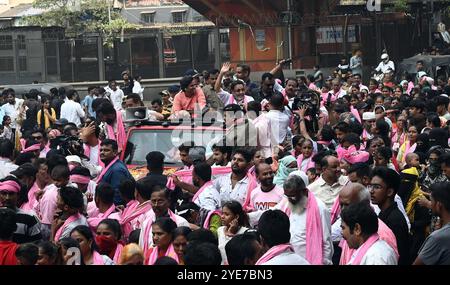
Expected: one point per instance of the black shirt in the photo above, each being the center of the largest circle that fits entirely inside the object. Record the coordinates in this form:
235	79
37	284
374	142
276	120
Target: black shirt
395	220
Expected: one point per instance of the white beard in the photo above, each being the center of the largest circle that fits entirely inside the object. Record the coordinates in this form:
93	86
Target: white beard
296	209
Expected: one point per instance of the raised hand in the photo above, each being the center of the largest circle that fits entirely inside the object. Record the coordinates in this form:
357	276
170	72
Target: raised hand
225	67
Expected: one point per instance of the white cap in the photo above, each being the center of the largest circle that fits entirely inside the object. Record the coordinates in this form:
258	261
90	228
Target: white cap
73	158
421	73
368	116
384	56
302	175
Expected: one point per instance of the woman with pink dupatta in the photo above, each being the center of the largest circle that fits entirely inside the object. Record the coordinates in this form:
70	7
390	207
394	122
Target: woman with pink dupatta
108	235
162	230
360	230
409	145
88	247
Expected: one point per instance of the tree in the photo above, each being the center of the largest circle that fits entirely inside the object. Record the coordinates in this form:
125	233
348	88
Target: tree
80	17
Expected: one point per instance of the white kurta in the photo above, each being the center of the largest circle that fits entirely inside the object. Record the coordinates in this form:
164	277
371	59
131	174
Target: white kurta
380	253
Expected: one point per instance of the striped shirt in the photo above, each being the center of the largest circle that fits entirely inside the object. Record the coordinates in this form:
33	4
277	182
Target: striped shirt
28	227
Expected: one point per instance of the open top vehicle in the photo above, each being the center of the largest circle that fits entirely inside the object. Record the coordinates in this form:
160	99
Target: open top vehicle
165	137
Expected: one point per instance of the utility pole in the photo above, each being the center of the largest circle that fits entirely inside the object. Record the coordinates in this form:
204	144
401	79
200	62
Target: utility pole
290	31
431	23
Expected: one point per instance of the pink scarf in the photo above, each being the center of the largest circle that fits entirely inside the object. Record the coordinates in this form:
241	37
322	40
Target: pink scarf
314	231
309	164
355	113
364	248
31	148
28	206
410	87
94	221
148	228
183	175
208	218
170	252
252	184
197	194
118	252
335	210
100	176
69	220
131	212
87	152
97	258
121	136
221	170
233	100
273	252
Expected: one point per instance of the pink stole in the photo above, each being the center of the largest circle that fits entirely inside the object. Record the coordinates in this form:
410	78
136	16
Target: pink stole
94	221
309	164
233	100
118	252
170	252
69	220
121	136
273	252
207	222
131	212
252	184
28	206
197	194
148	228
97	258
100	176
314	231
335	210
384	232
355	113
183	175
364	248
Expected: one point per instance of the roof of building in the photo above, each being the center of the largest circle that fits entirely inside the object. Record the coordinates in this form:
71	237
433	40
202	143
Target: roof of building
22	10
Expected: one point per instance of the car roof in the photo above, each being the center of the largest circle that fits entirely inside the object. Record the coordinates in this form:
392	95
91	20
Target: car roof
21	89
174	127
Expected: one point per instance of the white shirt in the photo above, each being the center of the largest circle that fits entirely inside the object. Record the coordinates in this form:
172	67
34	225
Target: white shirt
6	166
13	111
225	97
380	253
116	97
209	199
298	231
94	154
384	67
227	193
287	258
72	111
325	192
279	124
138	89
224	239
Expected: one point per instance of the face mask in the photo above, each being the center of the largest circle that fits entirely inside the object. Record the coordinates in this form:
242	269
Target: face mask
106	245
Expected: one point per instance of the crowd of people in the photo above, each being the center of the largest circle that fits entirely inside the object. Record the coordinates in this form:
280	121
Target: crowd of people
312	170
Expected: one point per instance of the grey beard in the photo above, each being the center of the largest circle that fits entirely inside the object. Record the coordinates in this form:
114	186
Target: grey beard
295	208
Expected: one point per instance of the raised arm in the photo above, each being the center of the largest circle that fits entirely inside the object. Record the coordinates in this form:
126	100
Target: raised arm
225	68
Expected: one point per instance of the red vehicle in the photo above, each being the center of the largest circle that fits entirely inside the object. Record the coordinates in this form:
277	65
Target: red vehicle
166	138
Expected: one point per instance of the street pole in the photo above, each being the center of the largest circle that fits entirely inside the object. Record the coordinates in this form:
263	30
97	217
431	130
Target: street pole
431	23
290	32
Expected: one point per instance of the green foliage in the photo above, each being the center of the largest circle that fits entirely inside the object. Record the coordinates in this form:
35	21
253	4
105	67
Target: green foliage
400	5
80	17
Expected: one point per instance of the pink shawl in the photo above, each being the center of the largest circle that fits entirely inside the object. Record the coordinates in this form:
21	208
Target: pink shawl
170	252
273	252
94	221
355	113
208	218
197	194
28	206
131	212
252	184
362	250
335	210
148	228
384	232
97	258
183	175
118	252
69	220
121	136
309	164
100	176
314	231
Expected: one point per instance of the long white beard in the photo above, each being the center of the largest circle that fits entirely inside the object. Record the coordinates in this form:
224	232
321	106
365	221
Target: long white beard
297	208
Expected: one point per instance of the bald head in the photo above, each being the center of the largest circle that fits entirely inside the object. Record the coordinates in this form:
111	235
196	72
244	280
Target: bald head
353	193
331	170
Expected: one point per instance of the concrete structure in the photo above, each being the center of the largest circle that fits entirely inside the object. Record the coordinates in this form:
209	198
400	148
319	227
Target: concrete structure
8	4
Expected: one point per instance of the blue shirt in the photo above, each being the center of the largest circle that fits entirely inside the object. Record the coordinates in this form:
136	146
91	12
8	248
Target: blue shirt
88	102
117	173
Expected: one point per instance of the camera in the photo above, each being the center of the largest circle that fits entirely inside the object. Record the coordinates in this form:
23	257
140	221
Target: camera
306	99
68	145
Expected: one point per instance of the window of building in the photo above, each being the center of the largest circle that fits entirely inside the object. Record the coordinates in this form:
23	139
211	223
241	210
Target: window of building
7	64
6	42
148	17
178	16
22	63
22	44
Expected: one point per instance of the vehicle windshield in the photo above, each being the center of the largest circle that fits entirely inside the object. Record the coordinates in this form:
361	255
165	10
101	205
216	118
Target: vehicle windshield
141	142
